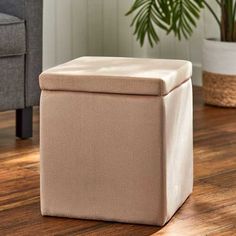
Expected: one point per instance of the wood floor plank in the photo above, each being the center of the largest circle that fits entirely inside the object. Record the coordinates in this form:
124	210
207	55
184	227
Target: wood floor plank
210	210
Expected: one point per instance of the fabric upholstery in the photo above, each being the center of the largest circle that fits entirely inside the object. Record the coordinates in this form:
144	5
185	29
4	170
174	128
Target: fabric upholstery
12	82
12	40
177	146
116	157
110	168
117	75
31	12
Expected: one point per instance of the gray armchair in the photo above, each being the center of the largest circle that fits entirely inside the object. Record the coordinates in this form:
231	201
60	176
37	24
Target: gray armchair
20	59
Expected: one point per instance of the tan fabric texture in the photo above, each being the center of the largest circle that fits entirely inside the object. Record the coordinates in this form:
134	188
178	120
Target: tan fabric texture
117	75
177	147
115	157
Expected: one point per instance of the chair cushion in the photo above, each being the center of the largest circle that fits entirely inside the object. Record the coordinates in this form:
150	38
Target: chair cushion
117	75
12	40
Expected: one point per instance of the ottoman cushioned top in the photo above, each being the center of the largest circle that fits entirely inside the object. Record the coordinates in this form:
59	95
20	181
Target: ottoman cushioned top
117	75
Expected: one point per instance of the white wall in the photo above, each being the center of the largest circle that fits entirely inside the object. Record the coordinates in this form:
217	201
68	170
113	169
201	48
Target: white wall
74	28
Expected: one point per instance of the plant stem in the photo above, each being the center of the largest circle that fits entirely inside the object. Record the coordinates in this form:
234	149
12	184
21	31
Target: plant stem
218	2
234	22
227	23
213	13
224	21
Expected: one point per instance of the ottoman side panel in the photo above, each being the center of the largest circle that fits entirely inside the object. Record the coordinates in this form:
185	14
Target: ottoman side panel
101	156
178	147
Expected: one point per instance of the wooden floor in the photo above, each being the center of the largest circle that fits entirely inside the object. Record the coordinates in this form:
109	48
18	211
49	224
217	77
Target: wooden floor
211	209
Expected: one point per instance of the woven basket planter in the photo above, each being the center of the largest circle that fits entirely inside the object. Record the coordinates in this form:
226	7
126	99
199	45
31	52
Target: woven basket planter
219	73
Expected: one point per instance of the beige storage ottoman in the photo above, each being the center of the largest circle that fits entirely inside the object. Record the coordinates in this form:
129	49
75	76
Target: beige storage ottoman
116	139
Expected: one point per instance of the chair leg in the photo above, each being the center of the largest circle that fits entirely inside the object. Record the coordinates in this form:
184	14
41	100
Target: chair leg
24	123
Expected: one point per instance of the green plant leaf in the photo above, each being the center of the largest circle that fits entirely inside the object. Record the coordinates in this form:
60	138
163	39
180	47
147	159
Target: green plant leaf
149	13
177	16
185	14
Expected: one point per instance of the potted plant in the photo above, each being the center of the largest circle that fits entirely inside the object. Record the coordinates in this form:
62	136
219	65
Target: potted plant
180	17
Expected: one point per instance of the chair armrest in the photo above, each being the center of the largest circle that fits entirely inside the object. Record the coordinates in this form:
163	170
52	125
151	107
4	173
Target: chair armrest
31	12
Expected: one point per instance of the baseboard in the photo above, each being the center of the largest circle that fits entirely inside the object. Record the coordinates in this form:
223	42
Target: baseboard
197	74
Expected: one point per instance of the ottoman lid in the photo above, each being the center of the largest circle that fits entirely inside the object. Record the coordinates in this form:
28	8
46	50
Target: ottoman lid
117	75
